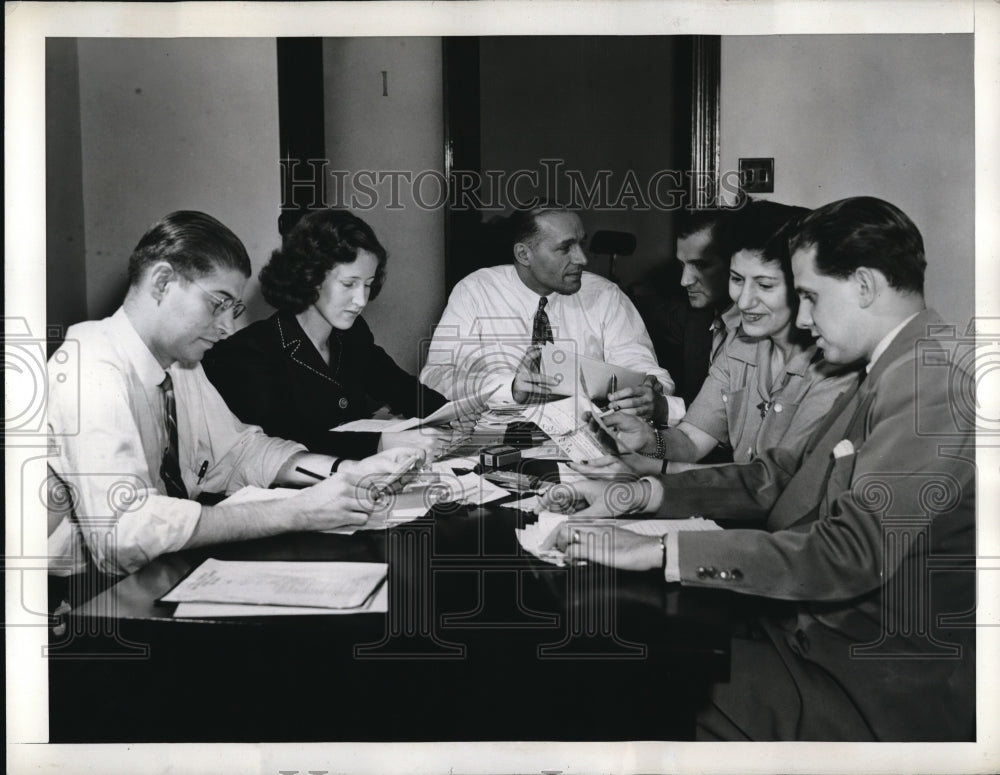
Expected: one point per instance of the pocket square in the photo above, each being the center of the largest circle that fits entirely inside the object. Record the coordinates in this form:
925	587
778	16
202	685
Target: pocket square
843	448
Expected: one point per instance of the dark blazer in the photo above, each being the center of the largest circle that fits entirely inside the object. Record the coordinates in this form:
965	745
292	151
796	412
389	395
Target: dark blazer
271	375
681	336
870	547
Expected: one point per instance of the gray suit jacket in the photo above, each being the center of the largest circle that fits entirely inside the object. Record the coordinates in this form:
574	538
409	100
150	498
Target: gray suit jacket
871	540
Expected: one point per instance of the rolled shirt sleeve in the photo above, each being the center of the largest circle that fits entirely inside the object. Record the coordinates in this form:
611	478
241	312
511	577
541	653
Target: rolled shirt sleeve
486	329
108	438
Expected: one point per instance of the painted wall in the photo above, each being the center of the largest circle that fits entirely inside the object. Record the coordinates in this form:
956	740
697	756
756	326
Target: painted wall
883	115
596	104
393	124
170	124
66	261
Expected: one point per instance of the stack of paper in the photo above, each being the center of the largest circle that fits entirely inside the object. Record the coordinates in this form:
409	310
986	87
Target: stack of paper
327	586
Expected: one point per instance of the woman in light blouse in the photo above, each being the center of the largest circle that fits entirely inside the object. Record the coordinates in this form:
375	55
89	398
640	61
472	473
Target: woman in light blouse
769	386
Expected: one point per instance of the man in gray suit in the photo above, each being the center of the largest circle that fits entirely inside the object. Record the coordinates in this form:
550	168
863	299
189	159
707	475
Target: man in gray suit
864	556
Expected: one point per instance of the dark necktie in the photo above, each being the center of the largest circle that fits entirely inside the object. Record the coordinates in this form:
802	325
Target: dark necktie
170	468
541	331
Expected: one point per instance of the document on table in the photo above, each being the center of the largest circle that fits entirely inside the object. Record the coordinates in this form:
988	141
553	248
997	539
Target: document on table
466	409
531	536
336	585
365	426
379	604
563	421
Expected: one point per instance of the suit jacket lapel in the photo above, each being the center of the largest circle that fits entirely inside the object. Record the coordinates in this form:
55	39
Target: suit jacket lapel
800	500
299	349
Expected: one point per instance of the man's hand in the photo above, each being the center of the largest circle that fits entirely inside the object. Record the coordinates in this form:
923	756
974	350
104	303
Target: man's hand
645	400
597	497
335	502
385	465
624	467
605	544
529	383
630	432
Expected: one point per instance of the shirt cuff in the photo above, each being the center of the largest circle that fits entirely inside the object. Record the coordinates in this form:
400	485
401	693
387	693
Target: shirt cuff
676	409
672	568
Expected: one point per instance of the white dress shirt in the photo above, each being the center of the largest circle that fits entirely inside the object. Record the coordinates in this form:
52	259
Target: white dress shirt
486	329
109	436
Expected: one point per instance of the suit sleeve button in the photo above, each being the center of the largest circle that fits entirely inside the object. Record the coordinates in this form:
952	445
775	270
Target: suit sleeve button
736	574
724	575
701	572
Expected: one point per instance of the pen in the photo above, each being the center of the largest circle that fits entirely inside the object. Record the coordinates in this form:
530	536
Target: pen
202	470
614	384
307	472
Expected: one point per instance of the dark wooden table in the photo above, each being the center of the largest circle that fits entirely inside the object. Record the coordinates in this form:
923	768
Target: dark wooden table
481	642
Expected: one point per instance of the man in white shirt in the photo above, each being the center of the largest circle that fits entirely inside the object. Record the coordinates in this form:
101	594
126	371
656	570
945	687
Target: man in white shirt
860	549
147	432
497	318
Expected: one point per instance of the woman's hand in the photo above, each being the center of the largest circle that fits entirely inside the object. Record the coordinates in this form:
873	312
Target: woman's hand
605	544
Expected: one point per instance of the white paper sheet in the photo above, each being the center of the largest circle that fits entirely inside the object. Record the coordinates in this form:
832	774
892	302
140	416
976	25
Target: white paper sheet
563	422
462	409
565	365
366	426
312	584
379	604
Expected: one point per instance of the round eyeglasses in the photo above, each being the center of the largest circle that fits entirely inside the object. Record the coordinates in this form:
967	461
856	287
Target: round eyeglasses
222	305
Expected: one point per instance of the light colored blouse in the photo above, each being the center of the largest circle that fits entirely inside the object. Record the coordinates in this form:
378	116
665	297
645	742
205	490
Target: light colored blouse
743	405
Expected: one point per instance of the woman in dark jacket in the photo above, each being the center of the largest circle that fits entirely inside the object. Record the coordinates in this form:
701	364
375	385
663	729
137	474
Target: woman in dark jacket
314	364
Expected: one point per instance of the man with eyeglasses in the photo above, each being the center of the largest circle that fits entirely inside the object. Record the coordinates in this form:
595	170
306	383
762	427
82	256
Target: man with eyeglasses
146	432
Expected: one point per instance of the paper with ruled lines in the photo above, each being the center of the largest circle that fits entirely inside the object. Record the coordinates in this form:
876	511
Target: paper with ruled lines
318	584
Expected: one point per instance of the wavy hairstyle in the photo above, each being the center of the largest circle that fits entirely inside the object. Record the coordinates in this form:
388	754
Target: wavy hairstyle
322	239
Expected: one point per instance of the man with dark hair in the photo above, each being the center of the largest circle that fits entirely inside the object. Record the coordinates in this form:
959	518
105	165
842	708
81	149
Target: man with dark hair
683	306
863	549
147	432
496	319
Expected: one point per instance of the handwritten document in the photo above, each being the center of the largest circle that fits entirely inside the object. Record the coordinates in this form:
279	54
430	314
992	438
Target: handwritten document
315	584
564	422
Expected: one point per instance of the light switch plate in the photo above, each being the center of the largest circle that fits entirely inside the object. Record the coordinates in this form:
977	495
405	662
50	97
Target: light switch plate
757	175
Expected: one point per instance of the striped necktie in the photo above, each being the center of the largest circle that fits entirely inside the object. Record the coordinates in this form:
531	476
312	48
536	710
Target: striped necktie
541	331
170	467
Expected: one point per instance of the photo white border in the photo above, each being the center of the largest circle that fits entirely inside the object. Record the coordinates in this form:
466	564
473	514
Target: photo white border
27	25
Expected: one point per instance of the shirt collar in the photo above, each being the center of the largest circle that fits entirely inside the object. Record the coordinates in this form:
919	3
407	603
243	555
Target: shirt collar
530	296
884	343
150	372
728	319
